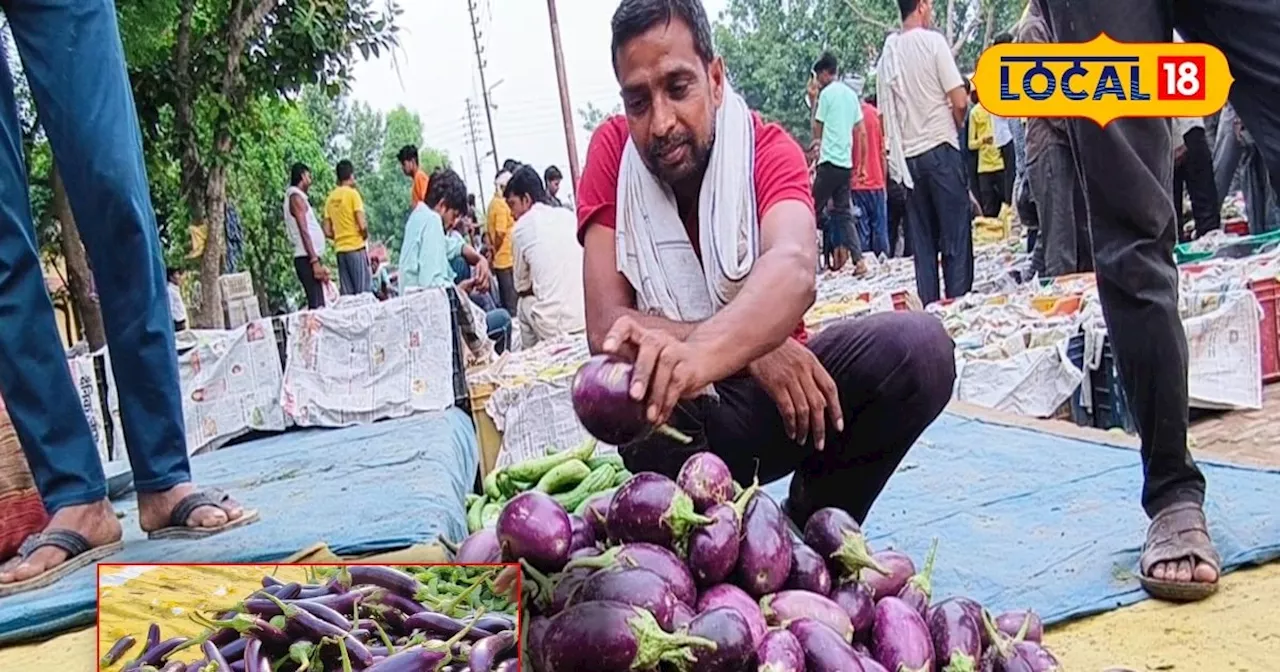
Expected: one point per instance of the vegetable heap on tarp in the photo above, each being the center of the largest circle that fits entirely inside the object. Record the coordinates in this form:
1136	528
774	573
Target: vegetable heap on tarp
372	618
698	574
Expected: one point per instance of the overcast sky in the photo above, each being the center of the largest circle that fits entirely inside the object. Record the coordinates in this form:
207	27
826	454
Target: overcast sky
434	73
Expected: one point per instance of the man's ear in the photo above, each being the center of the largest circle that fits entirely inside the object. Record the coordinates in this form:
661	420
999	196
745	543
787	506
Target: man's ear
716	74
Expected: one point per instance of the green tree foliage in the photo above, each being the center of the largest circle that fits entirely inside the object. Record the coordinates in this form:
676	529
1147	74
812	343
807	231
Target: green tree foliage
593	116
769	46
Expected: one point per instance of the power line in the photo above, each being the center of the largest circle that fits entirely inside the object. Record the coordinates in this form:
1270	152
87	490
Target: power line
484	87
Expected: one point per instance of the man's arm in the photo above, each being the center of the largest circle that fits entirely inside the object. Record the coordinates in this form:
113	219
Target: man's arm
863	159
328	227
363	224
298	208
609	296
524	281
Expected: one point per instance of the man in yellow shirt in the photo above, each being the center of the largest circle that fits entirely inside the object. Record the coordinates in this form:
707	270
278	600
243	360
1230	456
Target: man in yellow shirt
991	166
413	169
346	226
500	228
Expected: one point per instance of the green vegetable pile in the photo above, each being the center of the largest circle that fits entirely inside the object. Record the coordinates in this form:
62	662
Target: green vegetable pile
571	477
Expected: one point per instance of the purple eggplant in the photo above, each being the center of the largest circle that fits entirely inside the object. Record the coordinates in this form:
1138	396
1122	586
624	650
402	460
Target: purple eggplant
713	549
235	650
1036	657
117	651
900	639
486	652
390	578
159	653
824	649
534	647
588	552
215	658
567	585
414	659
894	571
975	611
652	557
480	548
1008	654
402	604
780	651
433	624
681	616
707	480
583	535
313	626
508	665
764	557
494	622
790	605
733	648
652	508
595	636
729	595
534	527
919	588
835	536
596	513
808	571
175	666
635	586
855	598
1021	625
870	664
252	655
956	635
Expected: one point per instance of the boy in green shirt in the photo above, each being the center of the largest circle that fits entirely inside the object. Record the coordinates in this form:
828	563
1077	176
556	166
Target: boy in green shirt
836	116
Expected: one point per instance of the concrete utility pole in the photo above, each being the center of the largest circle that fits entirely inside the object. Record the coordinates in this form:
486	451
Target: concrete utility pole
488	106
473	138
566	109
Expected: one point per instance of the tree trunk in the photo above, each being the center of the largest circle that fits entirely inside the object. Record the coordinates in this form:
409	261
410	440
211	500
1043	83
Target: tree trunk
192	187
215	242
79	276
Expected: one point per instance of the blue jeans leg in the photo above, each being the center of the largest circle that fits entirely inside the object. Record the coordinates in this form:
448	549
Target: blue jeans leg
498	324
75	66
873	223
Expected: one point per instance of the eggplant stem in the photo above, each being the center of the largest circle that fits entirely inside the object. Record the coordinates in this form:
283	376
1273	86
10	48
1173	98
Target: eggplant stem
342	651
448	545
545	587
673	434
386	641
1026	625
601	561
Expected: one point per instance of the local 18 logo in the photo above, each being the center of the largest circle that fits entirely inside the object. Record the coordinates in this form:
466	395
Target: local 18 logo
1103	80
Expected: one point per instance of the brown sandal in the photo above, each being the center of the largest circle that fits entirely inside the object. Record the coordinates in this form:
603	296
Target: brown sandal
1179	532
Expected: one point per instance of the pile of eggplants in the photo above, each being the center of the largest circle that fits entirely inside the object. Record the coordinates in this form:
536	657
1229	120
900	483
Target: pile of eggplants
698	574
364	618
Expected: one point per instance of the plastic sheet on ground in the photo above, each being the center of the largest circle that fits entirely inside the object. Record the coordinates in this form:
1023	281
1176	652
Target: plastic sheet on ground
363	489
365	360
1027	519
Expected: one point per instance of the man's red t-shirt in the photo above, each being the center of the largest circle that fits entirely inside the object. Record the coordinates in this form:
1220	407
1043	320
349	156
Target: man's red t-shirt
875	151
781	174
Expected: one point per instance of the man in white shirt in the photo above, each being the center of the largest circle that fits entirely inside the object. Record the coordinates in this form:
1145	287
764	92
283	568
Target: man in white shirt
548	262
306	235
923	104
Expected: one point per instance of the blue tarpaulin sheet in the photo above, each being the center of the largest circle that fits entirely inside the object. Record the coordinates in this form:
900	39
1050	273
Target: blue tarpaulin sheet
361	490
1027	519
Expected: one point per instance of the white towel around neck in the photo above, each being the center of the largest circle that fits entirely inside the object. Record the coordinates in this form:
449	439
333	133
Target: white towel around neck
889	86
654	251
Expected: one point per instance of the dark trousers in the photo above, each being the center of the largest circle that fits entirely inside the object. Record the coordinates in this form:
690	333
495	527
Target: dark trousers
1060	211
507	294
991	192
897	209
354	274
894	372
1195	174
831	184
310	285
1010	158
1029	215
1127	170
873	220
75	65
938	223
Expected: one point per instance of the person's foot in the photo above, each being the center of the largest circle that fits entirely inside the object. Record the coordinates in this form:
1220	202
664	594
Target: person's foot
155	508
861	270
1185	571
1179	561
95	522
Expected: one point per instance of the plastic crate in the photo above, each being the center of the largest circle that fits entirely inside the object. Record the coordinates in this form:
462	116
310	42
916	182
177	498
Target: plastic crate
1080	415
1110	403
1268	294
1238	226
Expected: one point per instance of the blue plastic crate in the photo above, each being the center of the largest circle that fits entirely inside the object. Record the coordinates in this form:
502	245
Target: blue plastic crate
1110	403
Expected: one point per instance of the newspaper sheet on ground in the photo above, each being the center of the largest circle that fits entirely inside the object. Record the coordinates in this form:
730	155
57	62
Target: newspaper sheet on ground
364	360
1223	340
231	385
85	379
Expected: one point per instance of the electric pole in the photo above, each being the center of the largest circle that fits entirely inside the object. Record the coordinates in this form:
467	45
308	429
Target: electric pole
566	109
473	138
484	88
